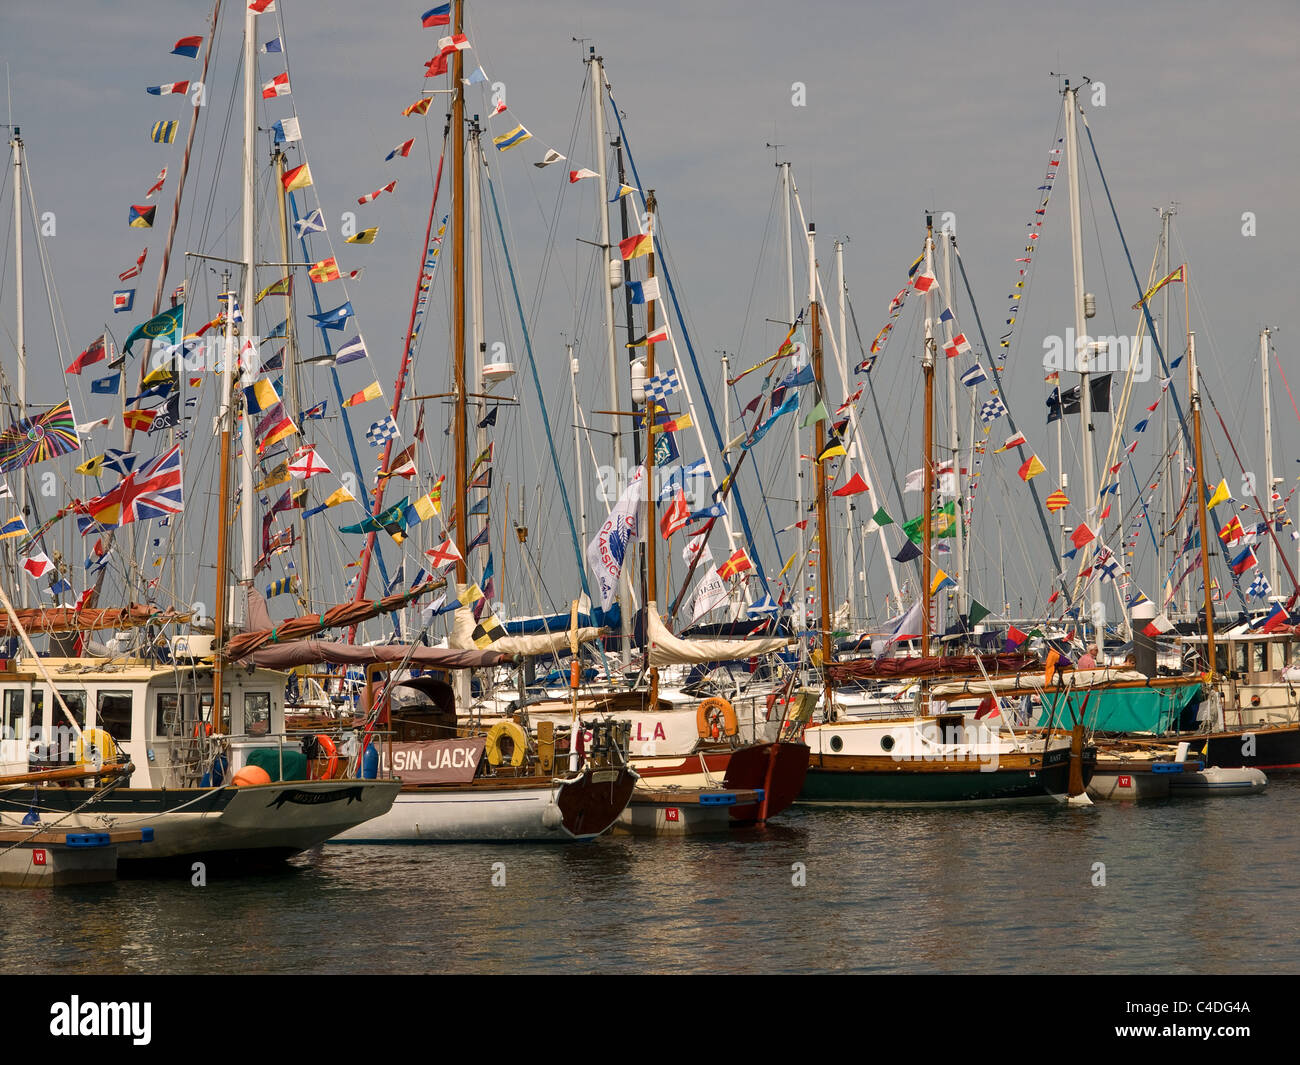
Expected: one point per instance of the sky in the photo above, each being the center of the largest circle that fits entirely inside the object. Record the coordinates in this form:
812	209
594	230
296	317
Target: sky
883	114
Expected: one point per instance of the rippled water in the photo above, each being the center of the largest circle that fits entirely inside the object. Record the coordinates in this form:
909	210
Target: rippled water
1191	886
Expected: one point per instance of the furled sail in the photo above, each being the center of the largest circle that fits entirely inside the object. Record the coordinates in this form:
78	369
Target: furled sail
669	650
541	643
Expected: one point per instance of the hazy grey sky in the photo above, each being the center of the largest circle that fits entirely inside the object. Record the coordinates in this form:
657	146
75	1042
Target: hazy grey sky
908	107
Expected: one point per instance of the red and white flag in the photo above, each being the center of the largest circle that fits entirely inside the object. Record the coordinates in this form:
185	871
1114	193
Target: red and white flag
378	192
958	345
1158	626
578	175
134	271
445	554
38	565
306	463
676	515
157	184
923	282
277	86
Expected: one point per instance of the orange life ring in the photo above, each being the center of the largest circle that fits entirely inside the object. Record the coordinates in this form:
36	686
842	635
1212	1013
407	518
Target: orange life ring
715	717
202	728
331	753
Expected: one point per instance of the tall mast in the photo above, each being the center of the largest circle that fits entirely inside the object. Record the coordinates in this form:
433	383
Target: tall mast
1194	393
292	393
819	441
473	231
651	537
16	142
958	559
927	467
611	278
226	420
246	495
577	447
1264	334
797	593
1166	483
1082	350
458	288
852	588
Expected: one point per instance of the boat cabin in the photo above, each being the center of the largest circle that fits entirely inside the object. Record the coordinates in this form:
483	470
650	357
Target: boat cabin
159	717
1258	674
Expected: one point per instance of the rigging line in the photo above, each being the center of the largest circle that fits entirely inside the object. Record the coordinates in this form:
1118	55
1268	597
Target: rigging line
1020	451
875	403
537	383
690	350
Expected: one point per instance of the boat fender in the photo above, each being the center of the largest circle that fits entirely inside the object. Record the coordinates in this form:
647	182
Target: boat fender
517	737
370	763
715	717
551	816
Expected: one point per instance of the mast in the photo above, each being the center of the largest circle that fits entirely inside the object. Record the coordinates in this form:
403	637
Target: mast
577	446
1166	483
473	232
959	572
16	142
292	393
1194	394
797	603
927	469
647	592
226	420
1082	350
246	494
650	539
1264	334
611	278
458	288
852	588
819	441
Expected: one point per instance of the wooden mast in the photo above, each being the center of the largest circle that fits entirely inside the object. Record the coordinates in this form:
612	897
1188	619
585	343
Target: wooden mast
927	470
650	409
819	441
1194	398
458	286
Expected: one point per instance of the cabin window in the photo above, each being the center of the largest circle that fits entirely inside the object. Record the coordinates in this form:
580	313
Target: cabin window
1220	658
257	713
205	707
75	700
171	706
113	714
11	714
1259	656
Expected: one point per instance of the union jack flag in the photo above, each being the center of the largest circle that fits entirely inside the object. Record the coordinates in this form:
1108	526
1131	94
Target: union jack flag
155	490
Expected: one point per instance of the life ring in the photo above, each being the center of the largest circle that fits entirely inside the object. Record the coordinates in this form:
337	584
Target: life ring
715	717
96	747
330	753
202	728
517	738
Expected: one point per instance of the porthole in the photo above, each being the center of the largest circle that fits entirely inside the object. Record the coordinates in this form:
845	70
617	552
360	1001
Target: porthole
837	744
886	742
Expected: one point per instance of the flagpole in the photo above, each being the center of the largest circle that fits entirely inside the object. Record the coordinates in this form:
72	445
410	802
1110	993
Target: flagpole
458	291
650	540
927	470
248	254
17	144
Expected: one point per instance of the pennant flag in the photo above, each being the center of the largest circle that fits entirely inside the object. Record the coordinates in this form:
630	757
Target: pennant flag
277	86
277	427
1015	637
516	136
13	527
852	487
1219	495
365	236
483	480
455	43
403	149
313	223
483	456
489	419
941	581
923	282
420	107
834	449
817	414
261	395
188	47
297	178
1057	501
282	586
790	404
333	319
974	376
277	476
578	175
173	88
477	77
38	565
635	247
713	510
134	271
1082	536
551	156
371	391
277	288
1159	625
1177	275
400	465
273	45
881	518
45	436
96	352
1030	468
1015	440
325	270
164	132
907	552
378	192
262	7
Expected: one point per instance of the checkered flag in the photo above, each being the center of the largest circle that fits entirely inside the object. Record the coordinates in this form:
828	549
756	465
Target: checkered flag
992	410
661	385
382	431
1259	587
